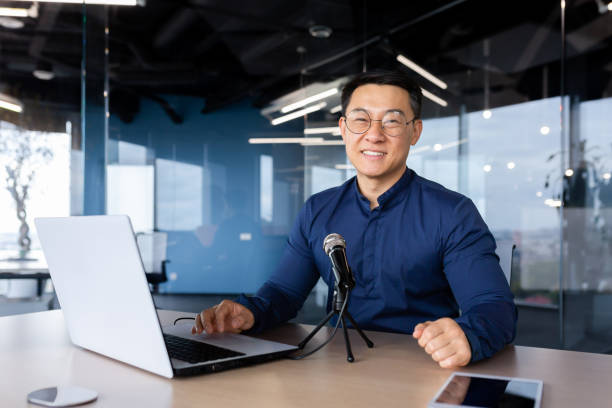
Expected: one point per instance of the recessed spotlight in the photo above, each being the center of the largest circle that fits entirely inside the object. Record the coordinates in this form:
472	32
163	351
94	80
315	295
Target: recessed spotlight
320	31
539	194
511	165
43	71
11	23
486	168
544	130
569	172
606	176
487	114
437	147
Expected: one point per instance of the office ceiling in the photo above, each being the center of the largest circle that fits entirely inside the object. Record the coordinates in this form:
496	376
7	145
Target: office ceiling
226	50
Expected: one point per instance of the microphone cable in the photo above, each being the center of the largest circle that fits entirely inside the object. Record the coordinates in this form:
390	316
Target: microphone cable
301	356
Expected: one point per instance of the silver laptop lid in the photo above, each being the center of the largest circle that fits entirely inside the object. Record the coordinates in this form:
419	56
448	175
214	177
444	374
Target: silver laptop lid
102	289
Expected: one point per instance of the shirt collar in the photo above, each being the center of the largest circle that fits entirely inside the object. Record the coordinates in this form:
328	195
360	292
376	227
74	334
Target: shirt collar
387	197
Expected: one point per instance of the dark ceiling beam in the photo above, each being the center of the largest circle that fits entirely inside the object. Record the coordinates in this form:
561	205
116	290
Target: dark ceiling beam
181	21
46	21
379	37
250	18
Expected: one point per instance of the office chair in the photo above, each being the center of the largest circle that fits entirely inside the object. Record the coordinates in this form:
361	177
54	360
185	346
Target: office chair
505	251
152	247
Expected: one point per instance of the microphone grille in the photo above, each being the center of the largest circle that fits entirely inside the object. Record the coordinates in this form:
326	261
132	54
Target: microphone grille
333	240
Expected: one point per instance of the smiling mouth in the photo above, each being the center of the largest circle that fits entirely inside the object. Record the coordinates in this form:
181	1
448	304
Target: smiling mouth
371	153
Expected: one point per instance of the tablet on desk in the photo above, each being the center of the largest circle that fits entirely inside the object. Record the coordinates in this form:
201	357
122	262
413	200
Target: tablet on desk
477	390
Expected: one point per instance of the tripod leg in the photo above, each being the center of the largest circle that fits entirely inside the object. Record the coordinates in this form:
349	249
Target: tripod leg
349	352
356	327
316	329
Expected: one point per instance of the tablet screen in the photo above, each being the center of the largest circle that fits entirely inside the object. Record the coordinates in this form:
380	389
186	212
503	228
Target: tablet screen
481	391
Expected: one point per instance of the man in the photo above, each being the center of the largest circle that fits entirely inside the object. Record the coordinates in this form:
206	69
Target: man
422	256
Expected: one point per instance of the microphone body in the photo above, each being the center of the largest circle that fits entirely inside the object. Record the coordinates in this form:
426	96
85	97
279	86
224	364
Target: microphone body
335	247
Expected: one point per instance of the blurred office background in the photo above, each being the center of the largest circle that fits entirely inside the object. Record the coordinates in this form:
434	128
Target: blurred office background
169	111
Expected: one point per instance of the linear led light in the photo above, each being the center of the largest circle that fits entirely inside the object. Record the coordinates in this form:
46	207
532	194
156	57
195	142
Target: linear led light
13	12
297	114
344	167
324	143
434	98
104	2
10	103
310	99
336	109
272	140
334	130
421	71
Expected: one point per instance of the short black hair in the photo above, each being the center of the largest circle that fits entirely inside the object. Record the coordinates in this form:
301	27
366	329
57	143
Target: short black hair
395	78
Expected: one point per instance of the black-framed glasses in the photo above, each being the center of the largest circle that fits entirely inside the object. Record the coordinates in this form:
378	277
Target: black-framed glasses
393	123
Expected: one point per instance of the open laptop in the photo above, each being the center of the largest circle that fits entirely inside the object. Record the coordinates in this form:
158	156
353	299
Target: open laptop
103	291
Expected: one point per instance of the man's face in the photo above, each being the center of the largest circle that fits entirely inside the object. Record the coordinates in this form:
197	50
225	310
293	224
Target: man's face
374	154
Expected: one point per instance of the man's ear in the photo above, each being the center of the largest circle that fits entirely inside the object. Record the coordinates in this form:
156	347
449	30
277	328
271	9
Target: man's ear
416	134
342	126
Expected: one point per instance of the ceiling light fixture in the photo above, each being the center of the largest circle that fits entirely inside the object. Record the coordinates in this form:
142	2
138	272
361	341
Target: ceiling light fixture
419	149
603	7
344	167
10	103
421	71
285	140
44	71
544	130
310	99
487	114
334	130
13	12
297	114
434	98
11	23
336	109
323	143
101	2
320	31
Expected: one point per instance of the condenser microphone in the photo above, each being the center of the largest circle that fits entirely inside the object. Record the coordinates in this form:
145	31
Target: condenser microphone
335	247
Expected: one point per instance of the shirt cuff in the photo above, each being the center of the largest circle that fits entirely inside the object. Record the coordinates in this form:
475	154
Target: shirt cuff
255	306
474	342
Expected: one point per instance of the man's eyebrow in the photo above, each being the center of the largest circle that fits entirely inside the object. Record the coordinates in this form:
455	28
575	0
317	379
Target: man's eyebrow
394	110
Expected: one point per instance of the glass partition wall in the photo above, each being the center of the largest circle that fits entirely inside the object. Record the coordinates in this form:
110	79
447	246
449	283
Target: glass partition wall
521	125
41	139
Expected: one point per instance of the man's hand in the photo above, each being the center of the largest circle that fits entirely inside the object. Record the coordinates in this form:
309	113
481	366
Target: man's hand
444	341
227	316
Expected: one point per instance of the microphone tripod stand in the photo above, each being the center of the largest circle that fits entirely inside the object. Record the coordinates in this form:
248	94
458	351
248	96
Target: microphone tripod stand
341	294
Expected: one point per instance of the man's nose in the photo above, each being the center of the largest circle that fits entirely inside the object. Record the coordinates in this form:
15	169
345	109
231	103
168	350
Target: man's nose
375	132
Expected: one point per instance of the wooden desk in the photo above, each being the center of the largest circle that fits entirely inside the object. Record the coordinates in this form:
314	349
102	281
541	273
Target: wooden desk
35	352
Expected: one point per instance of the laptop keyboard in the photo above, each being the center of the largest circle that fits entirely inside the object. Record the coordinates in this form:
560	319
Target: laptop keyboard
194	351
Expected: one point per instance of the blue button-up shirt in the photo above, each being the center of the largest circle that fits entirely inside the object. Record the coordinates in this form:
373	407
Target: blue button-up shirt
422	254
